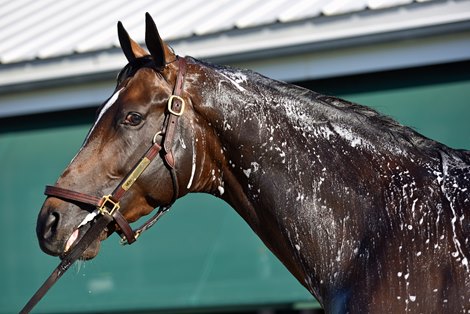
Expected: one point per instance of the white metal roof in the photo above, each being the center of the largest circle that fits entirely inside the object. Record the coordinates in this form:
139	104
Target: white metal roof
42	29
57	44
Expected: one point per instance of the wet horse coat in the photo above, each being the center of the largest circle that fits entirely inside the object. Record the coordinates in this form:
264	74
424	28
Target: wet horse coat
367	214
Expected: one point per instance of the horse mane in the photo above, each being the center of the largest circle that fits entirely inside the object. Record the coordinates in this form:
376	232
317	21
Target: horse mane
313	108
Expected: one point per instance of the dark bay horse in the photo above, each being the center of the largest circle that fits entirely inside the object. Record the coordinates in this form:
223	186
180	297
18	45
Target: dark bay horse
370	216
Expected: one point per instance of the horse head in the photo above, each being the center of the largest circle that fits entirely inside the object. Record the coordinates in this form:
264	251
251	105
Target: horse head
131	120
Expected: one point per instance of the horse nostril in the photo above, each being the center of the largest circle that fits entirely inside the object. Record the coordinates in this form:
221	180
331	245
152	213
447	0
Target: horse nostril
50	227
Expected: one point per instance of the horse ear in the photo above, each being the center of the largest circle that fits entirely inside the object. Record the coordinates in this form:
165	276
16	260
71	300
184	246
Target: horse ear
131	49
158	48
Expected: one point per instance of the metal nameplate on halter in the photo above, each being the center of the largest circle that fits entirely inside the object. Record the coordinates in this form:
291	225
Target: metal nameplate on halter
170	104
108	205
136	173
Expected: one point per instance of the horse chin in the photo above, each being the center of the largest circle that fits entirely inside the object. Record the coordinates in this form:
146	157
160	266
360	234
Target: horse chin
91	251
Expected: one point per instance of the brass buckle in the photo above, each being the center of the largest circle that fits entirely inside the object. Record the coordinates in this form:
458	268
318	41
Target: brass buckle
123	240
170	103
108	202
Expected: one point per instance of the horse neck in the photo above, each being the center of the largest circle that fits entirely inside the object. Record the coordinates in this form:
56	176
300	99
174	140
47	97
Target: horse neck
302	169
259	157
234	117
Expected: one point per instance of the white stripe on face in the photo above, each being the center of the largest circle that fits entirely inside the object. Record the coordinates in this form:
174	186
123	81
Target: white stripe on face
105	108
108	105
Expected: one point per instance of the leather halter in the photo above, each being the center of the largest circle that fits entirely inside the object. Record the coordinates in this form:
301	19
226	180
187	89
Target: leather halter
107	207
110	204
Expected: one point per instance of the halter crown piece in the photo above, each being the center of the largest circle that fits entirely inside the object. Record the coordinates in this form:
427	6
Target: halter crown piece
108	206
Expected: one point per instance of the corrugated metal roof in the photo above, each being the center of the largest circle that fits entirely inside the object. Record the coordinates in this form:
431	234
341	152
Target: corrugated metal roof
32	29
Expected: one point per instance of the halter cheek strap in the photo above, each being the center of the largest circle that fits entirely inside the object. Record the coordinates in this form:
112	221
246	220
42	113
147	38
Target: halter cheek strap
175	108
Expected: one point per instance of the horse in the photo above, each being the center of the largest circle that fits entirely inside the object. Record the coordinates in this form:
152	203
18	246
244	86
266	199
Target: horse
367	214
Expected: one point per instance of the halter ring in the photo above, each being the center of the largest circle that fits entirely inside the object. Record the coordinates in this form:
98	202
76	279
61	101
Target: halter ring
154	140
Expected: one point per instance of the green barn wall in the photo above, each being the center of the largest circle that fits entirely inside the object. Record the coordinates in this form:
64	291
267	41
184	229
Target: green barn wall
200	255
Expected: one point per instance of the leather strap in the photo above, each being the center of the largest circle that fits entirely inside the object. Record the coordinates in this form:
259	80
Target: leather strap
94	201
176	109
72	195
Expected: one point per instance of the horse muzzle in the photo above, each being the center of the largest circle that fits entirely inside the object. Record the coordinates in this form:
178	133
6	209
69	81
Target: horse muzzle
58	229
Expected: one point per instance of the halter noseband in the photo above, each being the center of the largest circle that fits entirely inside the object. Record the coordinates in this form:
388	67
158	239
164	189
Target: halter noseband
110	204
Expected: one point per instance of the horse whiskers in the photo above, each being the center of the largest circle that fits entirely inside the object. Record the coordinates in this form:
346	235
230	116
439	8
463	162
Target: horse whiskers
79	264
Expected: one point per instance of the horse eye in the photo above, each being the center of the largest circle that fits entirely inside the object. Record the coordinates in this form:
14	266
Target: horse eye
133	119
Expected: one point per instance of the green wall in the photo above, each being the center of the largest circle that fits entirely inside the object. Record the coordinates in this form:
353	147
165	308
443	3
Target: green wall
200	255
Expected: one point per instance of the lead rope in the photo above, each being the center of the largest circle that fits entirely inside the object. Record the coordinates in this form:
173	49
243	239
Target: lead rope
68	261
